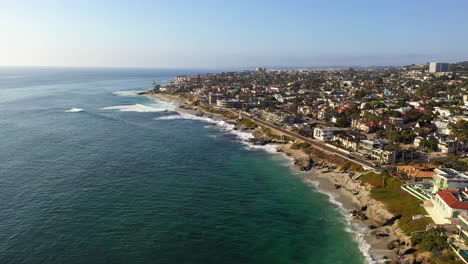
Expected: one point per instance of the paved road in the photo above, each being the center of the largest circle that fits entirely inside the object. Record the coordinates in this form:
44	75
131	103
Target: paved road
316	143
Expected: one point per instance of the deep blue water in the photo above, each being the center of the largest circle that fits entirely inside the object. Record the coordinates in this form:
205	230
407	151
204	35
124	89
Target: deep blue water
111	186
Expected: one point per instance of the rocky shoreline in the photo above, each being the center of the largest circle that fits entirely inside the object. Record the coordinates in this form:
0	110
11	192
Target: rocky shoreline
382	233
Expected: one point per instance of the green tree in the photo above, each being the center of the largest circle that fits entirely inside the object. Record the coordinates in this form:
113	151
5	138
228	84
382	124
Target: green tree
342	122
428	144
460	129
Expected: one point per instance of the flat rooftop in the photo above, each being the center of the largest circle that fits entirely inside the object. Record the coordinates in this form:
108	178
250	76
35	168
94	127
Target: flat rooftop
452	174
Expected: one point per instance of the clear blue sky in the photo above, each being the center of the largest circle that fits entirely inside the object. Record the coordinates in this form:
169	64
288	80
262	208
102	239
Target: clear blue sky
241	33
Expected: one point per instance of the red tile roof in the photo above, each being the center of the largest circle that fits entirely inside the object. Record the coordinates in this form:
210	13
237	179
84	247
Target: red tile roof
450	199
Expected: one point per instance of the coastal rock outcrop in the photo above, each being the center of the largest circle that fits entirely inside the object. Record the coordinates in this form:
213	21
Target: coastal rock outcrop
302	161
377	212
359	215
303	164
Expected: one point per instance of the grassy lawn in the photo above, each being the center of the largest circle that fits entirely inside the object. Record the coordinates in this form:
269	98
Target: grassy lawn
351	166
398	201
224	113
248	123
374	179
267	131
301	145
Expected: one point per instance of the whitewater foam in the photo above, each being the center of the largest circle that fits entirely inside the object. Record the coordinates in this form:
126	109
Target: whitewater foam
169	117
270	148
160	104
74	110
358	232
127	93
134	108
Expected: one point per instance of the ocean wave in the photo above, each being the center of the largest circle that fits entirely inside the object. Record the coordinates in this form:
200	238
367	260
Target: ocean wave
227	127
134	108
358	232
270	148
160	104
127	93
222	125
169	117
74	110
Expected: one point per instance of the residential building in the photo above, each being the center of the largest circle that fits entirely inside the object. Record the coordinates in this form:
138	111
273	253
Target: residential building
181	79
363	125
397	120
463	226
232	103
167	89
439	67
325	133
417	173
375	150
213	98
449	179
349	140
446	206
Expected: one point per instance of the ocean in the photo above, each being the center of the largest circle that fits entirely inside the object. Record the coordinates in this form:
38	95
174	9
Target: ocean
92	173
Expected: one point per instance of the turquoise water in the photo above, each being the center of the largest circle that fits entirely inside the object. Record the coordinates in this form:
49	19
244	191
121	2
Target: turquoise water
137	186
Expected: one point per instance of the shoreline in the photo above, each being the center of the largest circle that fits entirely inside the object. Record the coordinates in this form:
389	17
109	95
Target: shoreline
375	246
372	237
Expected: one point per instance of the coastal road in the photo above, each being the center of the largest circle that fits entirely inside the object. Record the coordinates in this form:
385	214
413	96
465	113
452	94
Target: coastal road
316	142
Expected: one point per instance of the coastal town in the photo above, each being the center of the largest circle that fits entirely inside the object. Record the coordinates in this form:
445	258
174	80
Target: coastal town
396	139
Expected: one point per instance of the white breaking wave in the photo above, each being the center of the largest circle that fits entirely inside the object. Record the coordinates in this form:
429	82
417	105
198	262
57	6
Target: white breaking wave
159	103
220	124
169	117
223	125
271	148
127	93
134	108
359	232
74	110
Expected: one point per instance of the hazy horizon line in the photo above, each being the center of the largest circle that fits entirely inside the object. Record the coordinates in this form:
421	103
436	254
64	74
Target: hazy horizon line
214	67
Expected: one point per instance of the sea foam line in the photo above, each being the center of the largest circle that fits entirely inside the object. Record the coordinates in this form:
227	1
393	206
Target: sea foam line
127	93
220	124
74	110
357	231
134	108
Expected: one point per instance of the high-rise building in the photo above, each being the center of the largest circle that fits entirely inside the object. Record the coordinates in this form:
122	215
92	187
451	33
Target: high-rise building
439	67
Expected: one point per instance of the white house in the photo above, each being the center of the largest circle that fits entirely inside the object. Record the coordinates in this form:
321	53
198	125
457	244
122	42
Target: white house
446	206
449	179
325	133
442	111
442	127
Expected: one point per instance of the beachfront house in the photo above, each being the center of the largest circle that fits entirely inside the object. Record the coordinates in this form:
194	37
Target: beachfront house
417	172
325	133
449	179
446	206
349	139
